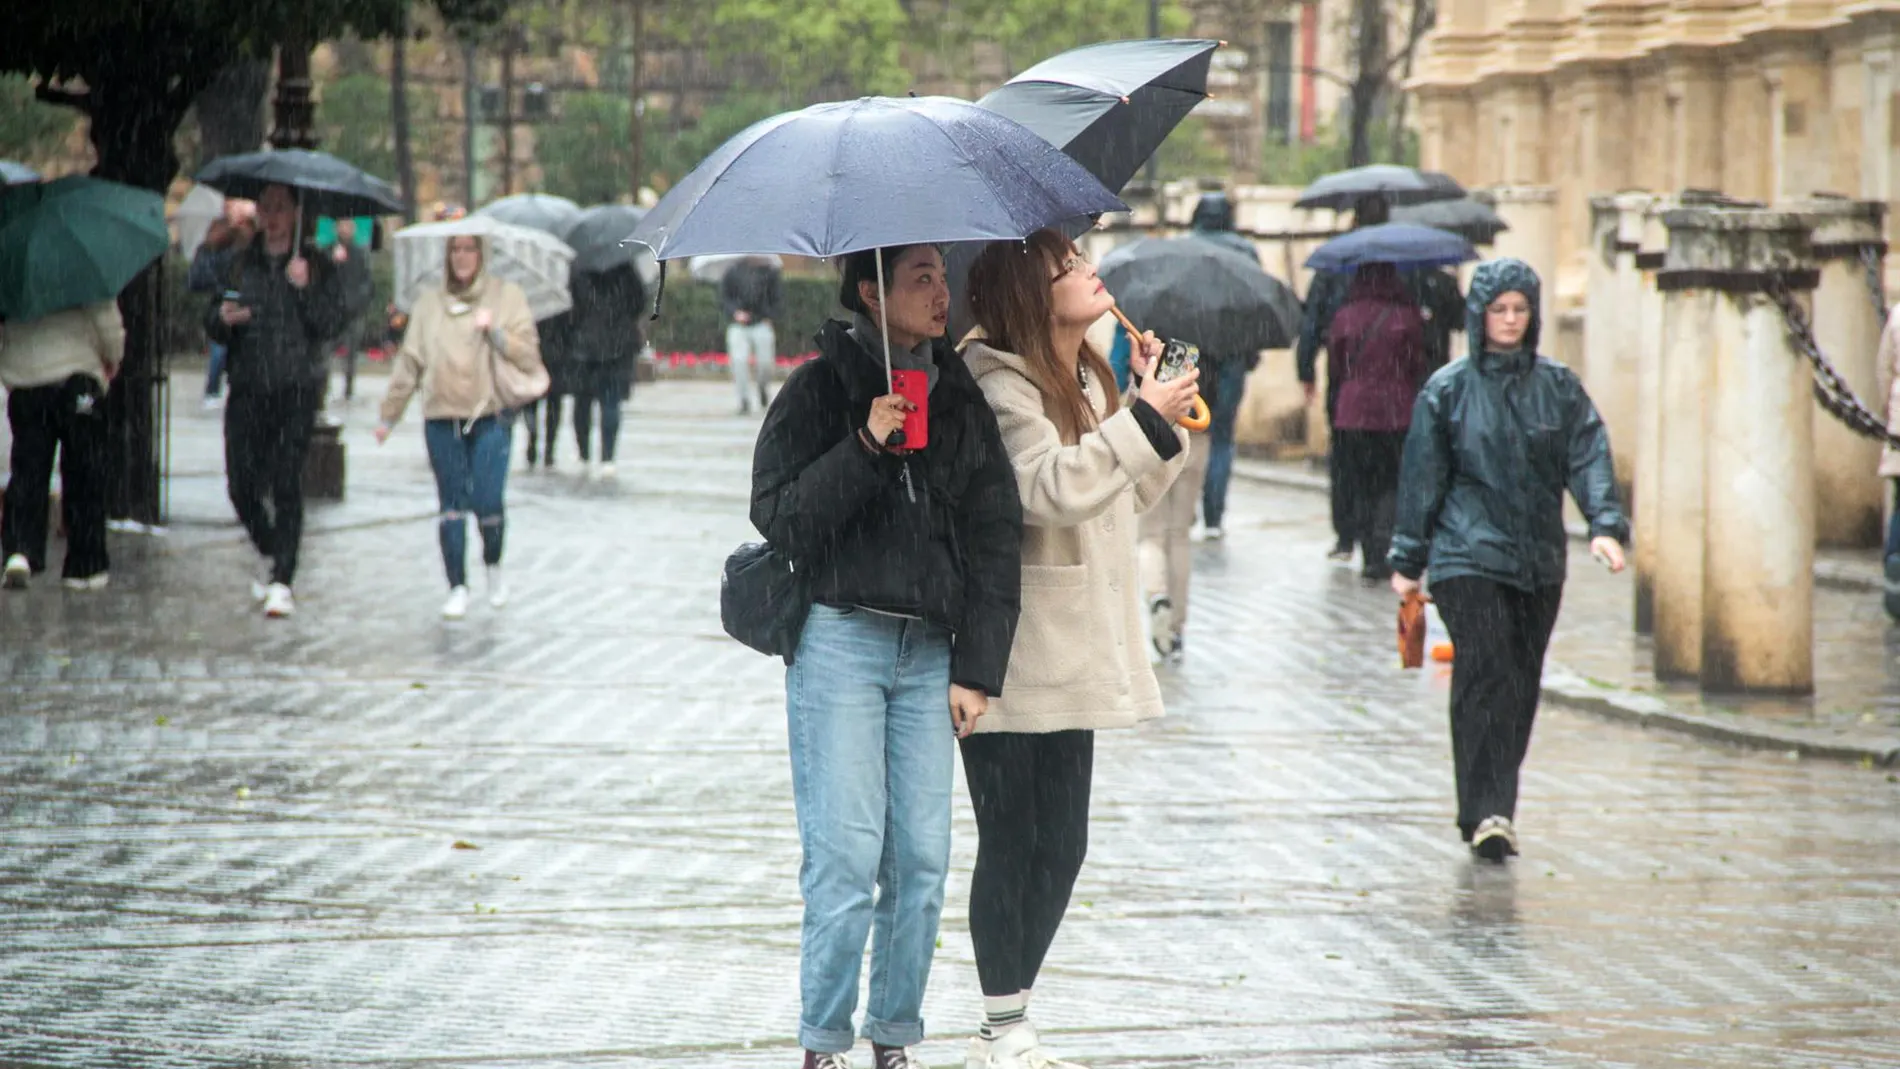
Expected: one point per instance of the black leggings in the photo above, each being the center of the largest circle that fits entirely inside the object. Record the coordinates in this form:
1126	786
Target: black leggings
1500	633
1031	795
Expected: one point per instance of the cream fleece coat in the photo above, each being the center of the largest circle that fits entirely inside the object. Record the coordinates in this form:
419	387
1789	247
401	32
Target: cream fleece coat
76	341
445	357
1079	660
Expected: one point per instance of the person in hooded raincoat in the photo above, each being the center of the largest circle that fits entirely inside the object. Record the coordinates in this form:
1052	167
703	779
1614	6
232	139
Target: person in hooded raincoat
1495	441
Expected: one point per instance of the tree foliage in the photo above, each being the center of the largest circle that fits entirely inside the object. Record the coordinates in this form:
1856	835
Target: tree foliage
29	130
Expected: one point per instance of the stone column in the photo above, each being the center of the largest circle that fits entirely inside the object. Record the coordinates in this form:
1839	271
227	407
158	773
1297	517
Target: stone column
1848	494
1531	212
1610	332
1690	318
1652	239
1754	619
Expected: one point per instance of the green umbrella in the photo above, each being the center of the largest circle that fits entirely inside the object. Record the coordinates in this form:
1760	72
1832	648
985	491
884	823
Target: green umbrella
74	241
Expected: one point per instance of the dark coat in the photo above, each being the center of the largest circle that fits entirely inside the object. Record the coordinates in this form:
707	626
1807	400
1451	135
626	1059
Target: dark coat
1495	441
609	317
1433	291
1377	345
283	346
754	288
935	534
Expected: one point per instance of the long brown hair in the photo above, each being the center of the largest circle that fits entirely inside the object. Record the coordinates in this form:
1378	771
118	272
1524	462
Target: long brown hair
1012	298
449	280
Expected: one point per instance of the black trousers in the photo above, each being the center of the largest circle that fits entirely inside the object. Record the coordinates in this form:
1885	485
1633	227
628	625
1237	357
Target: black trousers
1342	524
1031	795
266	436
1500	634
1366	491
68	418
531	415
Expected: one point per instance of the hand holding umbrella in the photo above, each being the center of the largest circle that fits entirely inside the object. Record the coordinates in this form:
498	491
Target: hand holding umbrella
1173	393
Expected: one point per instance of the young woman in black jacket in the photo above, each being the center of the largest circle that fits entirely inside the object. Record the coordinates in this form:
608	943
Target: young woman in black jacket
913	560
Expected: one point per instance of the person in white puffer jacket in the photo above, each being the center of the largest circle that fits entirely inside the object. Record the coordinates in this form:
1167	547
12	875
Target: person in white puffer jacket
57	369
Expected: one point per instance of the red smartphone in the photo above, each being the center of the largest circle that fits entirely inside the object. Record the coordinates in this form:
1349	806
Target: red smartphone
914	386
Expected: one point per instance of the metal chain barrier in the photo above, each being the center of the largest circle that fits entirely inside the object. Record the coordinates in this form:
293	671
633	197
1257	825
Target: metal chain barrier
1873	262
1831	391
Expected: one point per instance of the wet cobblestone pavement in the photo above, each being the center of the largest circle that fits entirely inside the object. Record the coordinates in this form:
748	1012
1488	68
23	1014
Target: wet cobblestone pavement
233	842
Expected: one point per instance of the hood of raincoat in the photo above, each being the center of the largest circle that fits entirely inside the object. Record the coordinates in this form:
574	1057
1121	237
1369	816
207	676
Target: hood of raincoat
1214	212
1492	280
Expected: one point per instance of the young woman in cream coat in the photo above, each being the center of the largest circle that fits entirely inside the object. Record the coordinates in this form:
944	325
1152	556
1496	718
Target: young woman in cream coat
1085	464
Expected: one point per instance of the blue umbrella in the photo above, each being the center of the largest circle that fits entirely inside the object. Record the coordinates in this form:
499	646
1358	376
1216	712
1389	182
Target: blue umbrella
862	174
1398	244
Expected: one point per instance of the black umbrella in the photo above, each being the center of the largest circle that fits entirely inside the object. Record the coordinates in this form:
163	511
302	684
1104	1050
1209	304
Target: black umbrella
1109	106
325	184
1201	292
536	211
597	235
1472	220
1397	184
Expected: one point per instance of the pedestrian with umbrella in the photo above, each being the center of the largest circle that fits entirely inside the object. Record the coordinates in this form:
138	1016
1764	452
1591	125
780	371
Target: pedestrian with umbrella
1377	348
1086	465
1495	441
67	248
554	216
609	327
1216	297
281	303
880	474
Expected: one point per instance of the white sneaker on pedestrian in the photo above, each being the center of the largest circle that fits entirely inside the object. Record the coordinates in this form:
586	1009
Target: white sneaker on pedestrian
17	573
457	606
90	582
497	587
1494	839
213	403
1018	1048
608	470
1214	534
279	602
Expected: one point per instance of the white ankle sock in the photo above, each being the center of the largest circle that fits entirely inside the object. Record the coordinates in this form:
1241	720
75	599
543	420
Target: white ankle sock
1003	1013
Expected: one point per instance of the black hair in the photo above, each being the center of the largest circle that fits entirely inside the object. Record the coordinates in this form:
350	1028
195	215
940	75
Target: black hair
861	266
1371	210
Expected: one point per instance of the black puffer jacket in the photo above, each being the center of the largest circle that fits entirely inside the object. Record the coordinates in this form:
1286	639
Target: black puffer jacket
935	534
1495	441
283	346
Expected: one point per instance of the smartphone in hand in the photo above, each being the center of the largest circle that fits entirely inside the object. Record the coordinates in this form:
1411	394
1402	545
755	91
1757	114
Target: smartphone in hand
914	386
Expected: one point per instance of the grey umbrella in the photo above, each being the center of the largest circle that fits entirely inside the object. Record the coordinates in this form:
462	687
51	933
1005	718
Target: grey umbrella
325	185
1396	184
1470	219
537	211
598	237
1202	292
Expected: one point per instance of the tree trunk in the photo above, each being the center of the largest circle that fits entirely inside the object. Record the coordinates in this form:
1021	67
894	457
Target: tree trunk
1423	15
1368	77
507	112
231	110
399	118
636	99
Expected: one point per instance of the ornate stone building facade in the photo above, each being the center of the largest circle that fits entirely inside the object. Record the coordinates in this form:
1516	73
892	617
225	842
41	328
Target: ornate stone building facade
1569	99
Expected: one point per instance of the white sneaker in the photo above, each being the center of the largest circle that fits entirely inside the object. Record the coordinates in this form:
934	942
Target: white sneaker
457	606
497	587
1214	534
18	572
1018	1048
278	602
90	582
212	404
1495	839
608	470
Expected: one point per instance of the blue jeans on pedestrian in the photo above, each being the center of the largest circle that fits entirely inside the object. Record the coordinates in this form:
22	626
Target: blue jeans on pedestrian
1229	388
471	473
1893	524
214	376
873	754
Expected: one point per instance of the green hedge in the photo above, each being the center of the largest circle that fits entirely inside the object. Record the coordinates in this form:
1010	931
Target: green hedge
690	321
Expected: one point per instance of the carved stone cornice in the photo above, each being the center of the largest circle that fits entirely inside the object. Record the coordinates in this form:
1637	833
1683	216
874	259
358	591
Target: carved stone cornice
1609	31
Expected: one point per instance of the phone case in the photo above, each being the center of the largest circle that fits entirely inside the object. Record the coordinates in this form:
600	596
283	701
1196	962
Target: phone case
914	386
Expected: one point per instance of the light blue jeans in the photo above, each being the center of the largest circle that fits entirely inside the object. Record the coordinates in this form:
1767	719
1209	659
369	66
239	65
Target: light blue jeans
873	754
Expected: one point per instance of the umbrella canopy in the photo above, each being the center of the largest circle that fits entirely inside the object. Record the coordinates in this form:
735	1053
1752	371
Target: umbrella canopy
1472	220
599	238
542	211
13	174
325	184
1201	292
1399	244
194	215
1397	184
533	259
714	268
1110	105
842	177
73	241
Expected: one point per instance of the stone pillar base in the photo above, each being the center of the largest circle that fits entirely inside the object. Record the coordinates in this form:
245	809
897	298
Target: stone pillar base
324	465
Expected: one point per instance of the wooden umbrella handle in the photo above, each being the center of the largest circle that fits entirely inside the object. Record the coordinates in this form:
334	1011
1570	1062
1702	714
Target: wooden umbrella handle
1200	419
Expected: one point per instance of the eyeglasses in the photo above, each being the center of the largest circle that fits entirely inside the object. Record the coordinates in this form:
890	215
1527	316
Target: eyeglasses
1069	266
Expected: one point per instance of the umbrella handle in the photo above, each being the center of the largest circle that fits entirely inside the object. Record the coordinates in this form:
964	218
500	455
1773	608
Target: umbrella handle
1198	420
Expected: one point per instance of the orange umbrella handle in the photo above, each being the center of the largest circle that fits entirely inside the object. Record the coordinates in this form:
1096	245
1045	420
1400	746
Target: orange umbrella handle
1200	419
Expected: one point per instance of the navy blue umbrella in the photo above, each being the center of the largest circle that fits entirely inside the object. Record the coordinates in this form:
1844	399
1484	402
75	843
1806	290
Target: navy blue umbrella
861	174
1398	244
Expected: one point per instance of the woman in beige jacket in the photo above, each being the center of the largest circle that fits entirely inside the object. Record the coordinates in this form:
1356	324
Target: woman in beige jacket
455	335
1086	464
